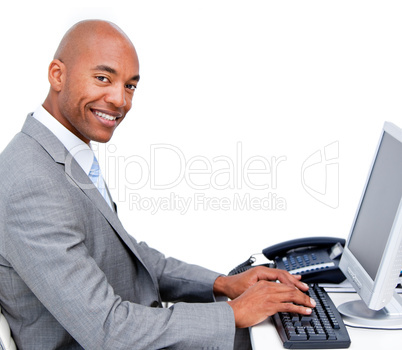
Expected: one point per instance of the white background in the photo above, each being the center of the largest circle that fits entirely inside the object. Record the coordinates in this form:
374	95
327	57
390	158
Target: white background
282	79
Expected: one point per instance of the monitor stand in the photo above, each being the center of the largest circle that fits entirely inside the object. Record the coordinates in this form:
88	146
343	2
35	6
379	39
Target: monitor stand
356	313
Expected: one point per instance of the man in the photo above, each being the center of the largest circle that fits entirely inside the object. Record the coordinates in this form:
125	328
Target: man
70	275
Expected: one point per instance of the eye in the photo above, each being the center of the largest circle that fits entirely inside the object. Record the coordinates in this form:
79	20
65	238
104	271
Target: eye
131	87
102	79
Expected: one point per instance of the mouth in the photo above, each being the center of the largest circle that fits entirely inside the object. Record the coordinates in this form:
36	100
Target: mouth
105	116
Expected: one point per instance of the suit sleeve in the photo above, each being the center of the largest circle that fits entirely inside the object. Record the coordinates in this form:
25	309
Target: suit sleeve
179	281
45	244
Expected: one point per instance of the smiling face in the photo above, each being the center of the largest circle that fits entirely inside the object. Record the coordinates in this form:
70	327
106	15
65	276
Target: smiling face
93	82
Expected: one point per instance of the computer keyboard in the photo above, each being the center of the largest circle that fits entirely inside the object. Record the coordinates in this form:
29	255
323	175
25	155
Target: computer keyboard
323	329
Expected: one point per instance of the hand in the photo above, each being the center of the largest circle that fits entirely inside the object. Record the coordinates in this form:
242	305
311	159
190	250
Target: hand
264	299
233	286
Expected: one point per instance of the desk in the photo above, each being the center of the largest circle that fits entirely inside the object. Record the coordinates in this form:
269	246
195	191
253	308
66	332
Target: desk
264	335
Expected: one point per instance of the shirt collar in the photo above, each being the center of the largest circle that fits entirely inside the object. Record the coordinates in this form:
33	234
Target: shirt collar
81	152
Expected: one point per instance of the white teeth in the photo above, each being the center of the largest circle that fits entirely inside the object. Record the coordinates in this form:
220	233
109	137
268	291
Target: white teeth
105	116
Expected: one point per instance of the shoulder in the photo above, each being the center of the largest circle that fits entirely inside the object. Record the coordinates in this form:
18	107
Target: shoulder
24	158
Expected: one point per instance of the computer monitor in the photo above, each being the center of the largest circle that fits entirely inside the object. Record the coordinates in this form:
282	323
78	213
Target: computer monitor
372	258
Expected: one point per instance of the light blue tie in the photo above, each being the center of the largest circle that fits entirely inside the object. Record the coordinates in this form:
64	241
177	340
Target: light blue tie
96	177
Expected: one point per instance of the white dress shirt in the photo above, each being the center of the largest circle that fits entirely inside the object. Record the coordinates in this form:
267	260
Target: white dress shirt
81	151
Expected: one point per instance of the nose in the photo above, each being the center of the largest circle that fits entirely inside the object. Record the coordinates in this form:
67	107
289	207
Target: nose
116	96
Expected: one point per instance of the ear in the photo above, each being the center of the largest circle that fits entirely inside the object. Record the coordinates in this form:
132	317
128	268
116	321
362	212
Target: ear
56	74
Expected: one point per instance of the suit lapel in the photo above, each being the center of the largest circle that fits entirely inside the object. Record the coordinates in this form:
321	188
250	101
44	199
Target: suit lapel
77	176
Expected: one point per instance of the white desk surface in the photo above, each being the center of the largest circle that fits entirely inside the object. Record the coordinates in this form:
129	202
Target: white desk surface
264	335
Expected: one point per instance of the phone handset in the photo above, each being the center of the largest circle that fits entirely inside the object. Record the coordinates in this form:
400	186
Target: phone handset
300	243
315	258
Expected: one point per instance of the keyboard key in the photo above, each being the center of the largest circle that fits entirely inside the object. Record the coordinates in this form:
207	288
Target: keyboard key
317	336
298	337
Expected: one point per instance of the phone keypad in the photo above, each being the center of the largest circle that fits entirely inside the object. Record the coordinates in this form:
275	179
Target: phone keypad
298	264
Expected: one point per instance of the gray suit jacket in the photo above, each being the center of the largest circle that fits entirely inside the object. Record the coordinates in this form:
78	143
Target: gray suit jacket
72	277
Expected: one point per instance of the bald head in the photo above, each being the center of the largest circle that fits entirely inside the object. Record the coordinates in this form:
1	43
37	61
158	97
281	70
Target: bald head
85	35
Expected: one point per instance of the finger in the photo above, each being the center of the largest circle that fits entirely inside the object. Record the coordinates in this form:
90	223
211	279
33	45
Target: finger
269	274
293	308
302	286
284	294
293	280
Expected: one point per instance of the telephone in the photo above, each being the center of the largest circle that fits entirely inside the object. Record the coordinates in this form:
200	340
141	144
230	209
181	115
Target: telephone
315	258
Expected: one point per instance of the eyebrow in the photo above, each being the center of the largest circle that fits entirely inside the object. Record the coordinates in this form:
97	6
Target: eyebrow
111	70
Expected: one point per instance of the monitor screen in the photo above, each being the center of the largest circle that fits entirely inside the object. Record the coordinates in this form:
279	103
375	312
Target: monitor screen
378	206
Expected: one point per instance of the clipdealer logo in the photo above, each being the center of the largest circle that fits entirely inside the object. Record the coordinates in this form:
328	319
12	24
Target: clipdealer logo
320	175
167	179
252	182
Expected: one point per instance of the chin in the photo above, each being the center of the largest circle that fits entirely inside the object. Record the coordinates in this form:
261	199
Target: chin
101	138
